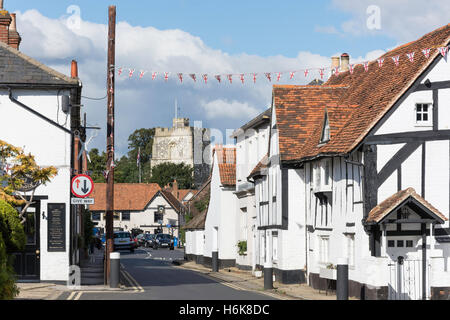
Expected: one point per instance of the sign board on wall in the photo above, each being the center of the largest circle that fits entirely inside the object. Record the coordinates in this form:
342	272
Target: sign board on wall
56	232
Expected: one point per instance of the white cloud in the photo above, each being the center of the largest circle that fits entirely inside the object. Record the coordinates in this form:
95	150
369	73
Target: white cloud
229	109
403	20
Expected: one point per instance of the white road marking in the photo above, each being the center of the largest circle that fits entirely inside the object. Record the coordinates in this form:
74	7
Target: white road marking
71	295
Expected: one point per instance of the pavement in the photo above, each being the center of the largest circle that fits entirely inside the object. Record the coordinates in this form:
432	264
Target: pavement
246	280
92	282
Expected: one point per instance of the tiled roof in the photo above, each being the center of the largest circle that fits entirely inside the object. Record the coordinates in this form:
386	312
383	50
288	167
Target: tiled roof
127	196
172	200
263	164
226	157
365	98
184	192
197	222
18	69
391	203
299	112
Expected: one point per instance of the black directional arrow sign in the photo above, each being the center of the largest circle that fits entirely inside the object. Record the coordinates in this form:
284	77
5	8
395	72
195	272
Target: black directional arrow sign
82	186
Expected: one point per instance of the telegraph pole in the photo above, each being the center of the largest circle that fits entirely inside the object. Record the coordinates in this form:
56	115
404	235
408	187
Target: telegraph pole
110	141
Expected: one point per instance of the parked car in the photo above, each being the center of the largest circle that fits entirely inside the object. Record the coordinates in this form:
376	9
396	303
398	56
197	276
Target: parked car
140	239
163	241
149	239
123	240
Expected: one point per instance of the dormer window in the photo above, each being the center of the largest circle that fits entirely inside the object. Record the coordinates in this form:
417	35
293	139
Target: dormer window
423	114
326	130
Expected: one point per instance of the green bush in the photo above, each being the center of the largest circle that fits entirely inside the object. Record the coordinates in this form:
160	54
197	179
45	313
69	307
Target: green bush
242	246
12	239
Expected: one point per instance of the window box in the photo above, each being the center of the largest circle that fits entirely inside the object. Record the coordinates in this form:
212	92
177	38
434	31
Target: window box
328	273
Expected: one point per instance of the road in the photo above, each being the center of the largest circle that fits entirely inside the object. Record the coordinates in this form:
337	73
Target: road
155	278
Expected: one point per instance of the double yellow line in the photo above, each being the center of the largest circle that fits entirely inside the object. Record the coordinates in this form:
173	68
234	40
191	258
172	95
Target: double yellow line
135	285
75	295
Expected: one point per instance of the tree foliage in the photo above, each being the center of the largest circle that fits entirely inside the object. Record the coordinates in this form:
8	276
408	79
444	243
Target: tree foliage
167	172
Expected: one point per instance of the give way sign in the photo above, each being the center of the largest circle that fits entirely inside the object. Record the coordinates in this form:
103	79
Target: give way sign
82	186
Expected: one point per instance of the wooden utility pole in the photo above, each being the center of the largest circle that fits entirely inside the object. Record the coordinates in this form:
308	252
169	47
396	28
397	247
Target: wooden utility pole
110	140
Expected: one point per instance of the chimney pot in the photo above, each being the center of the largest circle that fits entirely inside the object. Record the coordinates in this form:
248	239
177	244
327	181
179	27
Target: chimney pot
335	62
74	69
1	4
13	26
345	61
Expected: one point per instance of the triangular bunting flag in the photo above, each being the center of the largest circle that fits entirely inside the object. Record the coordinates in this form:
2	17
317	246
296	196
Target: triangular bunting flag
154	75
321	72
141	75
291	75
380	62
336	71
180	76
396	60
351	67
278	76
366	66
443	51
426	52
120	71
410	56
242	78
306	72
131	73
230	78
268	76
254	77
166	76
218	78
205	78
193	76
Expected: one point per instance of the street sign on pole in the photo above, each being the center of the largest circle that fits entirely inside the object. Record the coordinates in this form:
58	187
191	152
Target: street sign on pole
82	186
82	201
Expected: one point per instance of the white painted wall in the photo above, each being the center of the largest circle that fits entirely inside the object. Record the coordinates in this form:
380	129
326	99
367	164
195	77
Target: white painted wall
51	147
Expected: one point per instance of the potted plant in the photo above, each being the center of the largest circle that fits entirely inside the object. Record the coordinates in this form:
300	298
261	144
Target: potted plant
242	248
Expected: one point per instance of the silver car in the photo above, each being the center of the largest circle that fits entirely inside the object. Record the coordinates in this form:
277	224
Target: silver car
123	240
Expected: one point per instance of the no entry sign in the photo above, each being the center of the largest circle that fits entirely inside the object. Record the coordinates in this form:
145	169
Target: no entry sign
82	186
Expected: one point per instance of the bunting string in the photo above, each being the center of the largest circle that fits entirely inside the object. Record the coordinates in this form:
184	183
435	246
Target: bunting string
397	59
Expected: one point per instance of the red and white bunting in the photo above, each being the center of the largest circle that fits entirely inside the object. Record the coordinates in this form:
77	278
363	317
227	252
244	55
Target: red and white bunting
112	166
351	68
306	73
180	76
166	76
131	73
321	72
142	73
410	56
242	78
218	78
205	78
278	76
230	78
291	75
443	51
120	71
380	62
268	76
336	71
366	66
193	76
254	77
154	75
426	52
396	60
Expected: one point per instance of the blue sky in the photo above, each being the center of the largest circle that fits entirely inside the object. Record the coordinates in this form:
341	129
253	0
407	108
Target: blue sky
209	36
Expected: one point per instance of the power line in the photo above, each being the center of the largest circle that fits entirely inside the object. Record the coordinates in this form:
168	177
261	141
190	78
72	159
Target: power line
95	98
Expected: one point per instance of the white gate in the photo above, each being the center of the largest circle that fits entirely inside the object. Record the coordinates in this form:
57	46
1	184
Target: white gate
405	280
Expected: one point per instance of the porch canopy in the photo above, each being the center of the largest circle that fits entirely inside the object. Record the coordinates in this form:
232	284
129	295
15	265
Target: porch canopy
406	198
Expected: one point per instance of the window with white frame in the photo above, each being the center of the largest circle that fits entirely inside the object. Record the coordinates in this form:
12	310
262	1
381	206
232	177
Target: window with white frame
322	175
274	196
350	248
326	130
324	249
423	113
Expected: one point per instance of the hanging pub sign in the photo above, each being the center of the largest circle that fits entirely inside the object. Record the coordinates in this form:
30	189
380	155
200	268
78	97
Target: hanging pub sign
56	232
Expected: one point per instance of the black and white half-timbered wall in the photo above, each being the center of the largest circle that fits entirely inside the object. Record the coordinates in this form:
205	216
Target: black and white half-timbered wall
359	168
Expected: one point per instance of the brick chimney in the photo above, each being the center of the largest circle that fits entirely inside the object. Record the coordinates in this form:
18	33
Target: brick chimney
74	69
175	189
335	62
14	36
345	62
5	21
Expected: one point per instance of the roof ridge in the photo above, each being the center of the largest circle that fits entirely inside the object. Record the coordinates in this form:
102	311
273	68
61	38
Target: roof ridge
40	65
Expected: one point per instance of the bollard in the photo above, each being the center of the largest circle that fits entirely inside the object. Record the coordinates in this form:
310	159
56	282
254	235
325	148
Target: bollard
268	278
342	279
215	261
114	273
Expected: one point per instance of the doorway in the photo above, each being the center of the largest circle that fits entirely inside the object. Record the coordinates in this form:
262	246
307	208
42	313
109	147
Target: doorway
27	262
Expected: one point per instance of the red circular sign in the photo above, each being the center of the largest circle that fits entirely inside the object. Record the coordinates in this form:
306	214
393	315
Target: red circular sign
82	186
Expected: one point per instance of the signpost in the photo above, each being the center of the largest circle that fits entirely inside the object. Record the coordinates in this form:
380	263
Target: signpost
82	186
